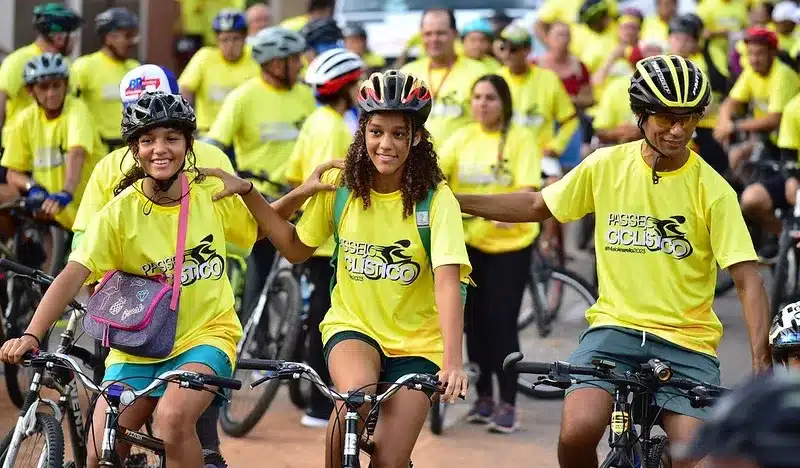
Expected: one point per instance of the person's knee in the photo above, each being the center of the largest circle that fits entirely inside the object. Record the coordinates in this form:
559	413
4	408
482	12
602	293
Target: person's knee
174	424
584	418
755	200
792	185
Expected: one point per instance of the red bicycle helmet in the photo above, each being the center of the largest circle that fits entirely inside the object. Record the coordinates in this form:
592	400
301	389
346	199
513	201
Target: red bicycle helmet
759	35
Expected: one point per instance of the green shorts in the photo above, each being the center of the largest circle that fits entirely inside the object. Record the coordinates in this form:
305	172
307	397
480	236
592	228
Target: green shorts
624	347
392	368
139	376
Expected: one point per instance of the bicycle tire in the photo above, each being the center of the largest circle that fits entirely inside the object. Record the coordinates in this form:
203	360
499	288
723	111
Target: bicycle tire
658	454
300	389
530	313
566	279
13	323
778	292
213	459
49	427
437	413
284	281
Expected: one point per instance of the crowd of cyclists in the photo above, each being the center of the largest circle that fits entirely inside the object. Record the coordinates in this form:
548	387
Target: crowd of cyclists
646	122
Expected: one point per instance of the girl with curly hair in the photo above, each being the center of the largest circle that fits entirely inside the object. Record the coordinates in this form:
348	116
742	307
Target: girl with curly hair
395	309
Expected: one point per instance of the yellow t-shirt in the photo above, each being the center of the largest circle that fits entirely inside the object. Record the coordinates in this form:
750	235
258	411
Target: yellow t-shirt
491	64
451	94
566	11
592	48
197	16
109	171
95	79
122	237
263	124
723	15
768	94
211	78
384	285
373	60
657	245
12	81
469	160
611	111
324	136
540	101
655	29
40	146
789	133
295	23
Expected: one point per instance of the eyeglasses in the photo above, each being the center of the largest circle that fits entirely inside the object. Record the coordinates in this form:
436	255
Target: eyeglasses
669	120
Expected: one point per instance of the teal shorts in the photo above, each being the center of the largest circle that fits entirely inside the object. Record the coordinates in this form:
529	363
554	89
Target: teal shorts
625	348
392	368
139	376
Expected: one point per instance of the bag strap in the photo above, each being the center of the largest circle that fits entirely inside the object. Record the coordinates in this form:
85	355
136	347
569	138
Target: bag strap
339	202
423	217
183	221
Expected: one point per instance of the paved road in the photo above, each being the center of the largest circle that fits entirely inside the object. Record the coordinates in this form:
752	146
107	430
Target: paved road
280	441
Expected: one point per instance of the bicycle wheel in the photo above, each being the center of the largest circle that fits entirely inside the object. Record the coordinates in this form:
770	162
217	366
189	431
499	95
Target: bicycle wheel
45	445
437	413
21	305
658	453
270	333
785	274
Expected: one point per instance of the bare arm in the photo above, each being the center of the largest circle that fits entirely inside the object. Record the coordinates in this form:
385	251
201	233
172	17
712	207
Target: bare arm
280	232
57	297
584	99
75	158
755	307
728	108
767	123
287	205
517	207
18	180
447	284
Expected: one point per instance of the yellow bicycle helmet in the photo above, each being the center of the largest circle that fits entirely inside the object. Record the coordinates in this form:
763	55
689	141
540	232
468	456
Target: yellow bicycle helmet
668	83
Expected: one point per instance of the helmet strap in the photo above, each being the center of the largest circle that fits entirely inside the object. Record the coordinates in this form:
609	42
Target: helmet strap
164	185
659	154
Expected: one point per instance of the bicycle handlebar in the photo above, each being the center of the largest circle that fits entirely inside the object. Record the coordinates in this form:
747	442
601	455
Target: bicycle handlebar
286	370
658	372
186	379
37	276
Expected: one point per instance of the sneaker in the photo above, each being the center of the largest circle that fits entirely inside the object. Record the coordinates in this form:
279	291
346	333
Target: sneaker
481	412
504	420
315	419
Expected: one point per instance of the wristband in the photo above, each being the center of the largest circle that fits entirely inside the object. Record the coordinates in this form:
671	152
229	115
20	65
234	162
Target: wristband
38	343
250	189
63	198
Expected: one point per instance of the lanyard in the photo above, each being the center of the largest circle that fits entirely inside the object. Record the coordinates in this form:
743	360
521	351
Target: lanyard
434	92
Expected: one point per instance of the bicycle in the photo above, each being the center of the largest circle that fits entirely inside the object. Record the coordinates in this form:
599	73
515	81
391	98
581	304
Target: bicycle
355	441
60	372
629	448
35	242
270	331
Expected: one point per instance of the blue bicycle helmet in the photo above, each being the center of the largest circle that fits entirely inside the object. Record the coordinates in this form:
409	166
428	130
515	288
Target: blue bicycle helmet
229	20
480	25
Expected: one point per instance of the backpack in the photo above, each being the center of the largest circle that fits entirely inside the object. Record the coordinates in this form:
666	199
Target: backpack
421	213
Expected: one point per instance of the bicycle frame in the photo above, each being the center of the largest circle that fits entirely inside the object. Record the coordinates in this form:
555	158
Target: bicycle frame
112	432
626	451
261	305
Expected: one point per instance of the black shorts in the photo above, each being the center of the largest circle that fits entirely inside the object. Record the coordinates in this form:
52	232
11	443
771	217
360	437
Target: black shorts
776	188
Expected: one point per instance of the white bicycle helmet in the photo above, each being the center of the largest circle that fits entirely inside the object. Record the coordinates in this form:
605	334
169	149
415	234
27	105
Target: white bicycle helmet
45	66
333	70
784	334
276	42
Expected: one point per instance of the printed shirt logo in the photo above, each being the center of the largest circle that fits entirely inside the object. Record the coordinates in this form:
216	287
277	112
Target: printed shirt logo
448	106
637	233
199	263
376	262
528	118
279	131
498	173
48	158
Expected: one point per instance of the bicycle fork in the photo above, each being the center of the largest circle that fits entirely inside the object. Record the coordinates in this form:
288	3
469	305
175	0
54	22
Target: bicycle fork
109	428
621	437
350	459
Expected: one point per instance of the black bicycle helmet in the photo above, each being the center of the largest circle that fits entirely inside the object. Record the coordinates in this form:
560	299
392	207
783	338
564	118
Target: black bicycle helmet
354	30
322	31
50	18
688	23
784	335
668	83
156	109
393	90
592	10
115	19
757	422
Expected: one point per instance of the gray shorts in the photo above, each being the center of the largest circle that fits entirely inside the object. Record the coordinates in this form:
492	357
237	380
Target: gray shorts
624	347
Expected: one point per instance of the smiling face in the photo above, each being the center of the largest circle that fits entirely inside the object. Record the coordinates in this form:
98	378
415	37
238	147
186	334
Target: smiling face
161	152
388	138
670	133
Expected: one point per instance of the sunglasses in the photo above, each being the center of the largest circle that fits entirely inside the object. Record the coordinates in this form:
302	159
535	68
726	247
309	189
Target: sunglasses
669	120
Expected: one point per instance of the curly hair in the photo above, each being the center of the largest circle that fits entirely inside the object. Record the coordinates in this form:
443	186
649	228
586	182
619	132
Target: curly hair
421	170
136	172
